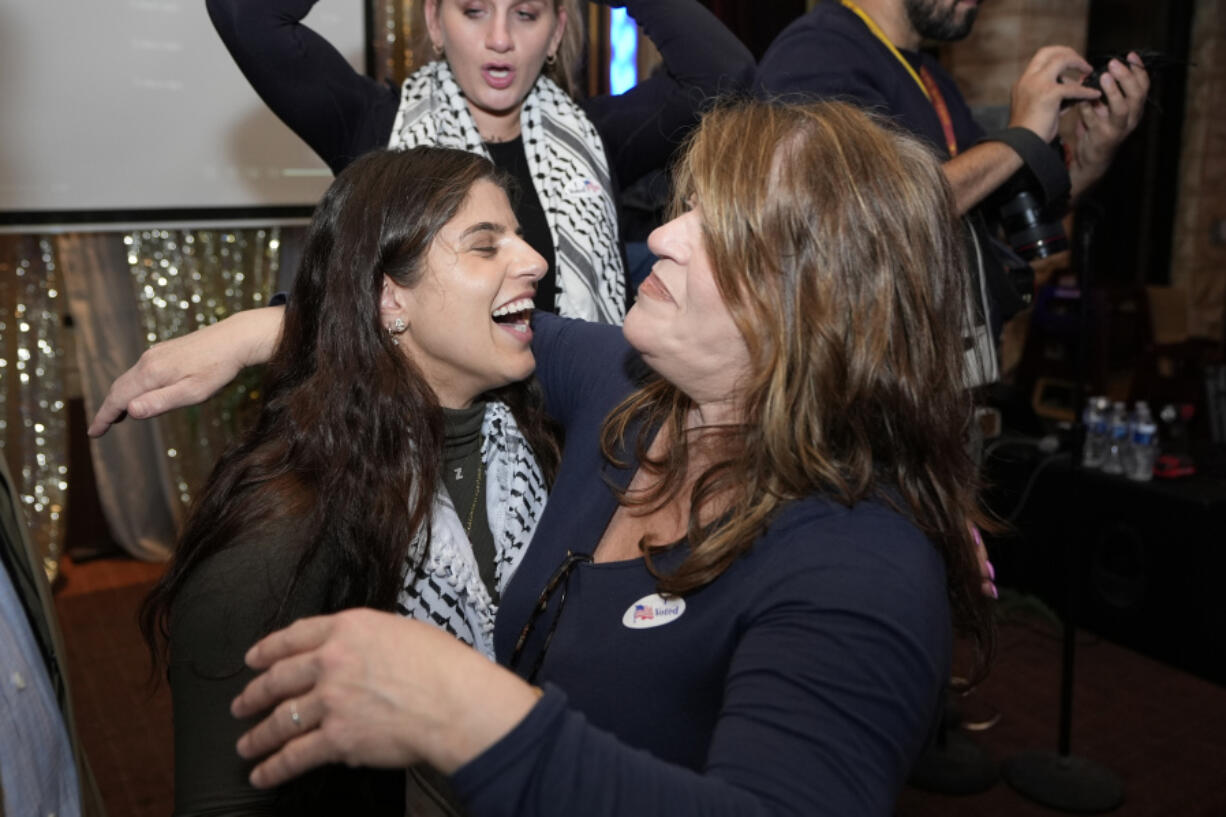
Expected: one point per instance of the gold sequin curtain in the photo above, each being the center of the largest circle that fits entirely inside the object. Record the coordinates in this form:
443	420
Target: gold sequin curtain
394	22
181	280
184	280
33	417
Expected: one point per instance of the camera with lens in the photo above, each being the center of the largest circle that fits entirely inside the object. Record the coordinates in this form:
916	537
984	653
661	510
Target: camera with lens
1030	217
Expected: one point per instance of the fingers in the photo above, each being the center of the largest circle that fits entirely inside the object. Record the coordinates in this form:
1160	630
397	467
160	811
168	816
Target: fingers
302	753
1125	88
987	572
1132	76
159	401
109	414
1054	61
294	717
151	387
1105	124
988	585
126	387
289	676
1042	88
302	636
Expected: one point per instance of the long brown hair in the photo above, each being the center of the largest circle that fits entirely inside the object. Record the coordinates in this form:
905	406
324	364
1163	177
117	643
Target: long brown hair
562	70
350	434
836	249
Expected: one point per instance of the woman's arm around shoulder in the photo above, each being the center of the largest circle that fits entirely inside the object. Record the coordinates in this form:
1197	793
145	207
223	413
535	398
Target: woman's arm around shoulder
189	369
584	368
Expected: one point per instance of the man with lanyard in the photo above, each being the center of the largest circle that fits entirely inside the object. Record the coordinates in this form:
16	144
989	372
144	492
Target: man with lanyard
866	52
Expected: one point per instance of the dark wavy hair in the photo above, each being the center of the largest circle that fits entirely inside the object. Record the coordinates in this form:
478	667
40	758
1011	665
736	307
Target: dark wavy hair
350	435
836	247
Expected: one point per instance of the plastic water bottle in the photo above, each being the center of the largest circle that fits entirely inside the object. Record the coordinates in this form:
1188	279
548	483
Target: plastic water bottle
1117	440
1095	418
1143	445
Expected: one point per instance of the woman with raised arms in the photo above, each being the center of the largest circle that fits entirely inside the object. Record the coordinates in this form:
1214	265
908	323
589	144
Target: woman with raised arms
495	79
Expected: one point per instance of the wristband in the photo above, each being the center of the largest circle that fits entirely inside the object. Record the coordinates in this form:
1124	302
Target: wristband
1044	162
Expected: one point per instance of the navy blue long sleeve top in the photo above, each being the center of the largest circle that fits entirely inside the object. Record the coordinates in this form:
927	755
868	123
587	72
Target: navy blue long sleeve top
802	681
830	53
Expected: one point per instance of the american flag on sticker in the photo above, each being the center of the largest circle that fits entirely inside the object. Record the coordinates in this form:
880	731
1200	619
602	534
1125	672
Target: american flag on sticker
642	612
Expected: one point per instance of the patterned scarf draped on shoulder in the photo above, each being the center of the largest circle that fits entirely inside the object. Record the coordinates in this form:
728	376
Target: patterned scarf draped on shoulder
447	590
567	160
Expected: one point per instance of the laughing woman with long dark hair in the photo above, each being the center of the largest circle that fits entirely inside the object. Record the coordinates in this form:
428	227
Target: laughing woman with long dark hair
396	429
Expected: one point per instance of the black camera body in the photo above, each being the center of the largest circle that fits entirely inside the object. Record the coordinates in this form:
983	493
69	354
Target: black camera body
1152	60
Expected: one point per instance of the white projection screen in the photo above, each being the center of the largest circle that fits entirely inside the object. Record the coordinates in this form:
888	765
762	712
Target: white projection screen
133	111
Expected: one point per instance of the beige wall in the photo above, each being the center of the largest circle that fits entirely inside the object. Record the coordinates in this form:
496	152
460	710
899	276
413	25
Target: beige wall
1006	35
1198	263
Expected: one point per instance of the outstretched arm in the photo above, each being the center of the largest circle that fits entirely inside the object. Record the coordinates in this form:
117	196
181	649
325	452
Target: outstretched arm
306	82
188	370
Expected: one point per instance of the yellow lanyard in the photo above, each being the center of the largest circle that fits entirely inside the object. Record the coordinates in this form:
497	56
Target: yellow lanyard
880	35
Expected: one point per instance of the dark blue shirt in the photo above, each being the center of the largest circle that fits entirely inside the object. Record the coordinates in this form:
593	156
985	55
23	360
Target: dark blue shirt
830	53
804	680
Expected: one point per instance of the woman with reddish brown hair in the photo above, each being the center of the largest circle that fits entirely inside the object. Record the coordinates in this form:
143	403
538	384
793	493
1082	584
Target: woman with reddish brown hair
739	598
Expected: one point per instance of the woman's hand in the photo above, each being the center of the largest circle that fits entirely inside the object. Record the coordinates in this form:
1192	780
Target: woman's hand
373	689
987	573
188	370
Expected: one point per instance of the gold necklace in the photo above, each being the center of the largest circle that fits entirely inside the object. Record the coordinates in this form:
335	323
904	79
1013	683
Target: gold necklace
472	510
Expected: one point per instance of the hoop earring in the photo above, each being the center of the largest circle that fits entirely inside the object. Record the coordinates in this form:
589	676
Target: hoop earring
438	50
550	60
396	328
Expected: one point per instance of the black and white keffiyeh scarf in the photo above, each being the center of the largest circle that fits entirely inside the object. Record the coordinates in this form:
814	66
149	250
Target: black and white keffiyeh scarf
448	590
567	160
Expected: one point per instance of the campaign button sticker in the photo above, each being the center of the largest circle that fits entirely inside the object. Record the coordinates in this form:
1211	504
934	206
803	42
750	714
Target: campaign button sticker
584	187
653	611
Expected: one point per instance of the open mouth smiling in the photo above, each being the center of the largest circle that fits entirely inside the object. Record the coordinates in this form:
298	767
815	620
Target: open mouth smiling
515	316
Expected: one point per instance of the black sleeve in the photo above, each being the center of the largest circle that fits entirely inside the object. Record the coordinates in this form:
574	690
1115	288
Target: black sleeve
701	58
227	603
230	601
306	82
564	349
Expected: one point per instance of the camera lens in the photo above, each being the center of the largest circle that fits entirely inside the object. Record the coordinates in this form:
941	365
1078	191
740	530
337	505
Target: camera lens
1030	234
